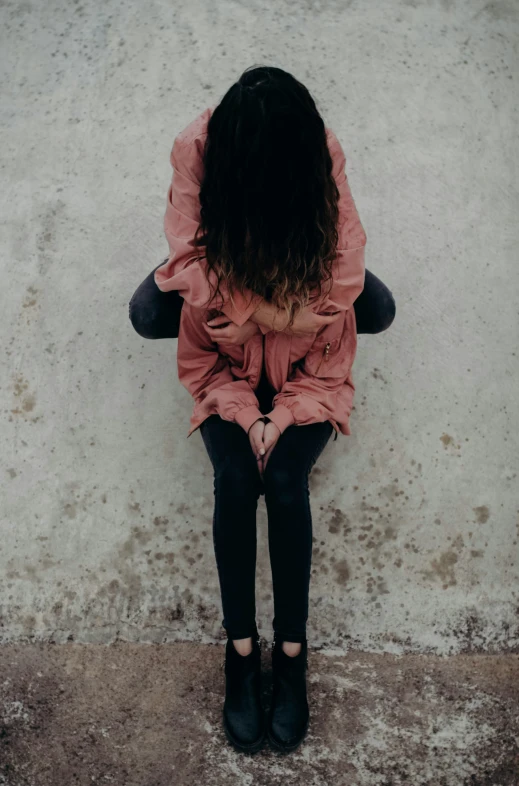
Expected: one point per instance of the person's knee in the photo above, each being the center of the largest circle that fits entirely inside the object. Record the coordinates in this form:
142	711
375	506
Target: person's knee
386	315
390	312
142	319
283	483
241	479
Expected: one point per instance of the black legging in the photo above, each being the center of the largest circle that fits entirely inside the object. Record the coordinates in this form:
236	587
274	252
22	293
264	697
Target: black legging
238	485
156	314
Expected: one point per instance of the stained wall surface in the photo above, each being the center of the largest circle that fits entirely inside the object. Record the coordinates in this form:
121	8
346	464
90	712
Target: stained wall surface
106	506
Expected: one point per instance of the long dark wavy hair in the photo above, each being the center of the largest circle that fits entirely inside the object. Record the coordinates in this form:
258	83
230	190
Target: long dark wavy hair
269	202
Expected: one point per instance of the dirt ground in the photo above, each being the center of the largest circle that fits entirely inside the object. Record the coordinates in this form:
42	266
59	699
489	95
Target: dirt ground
150	715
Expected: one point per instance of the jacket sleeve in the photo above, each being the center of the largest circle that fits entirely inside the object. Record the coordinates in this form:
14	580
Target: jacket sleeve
206	374
321	385
182	270
349	266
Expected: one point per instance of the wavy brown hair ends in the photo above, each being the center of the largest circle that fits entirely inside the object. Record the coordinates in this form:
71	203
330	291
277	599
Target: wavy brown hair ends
269	202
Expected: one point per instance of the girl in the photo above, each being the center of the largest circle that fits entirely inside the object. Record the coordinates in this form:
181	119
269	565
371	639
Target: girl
267	317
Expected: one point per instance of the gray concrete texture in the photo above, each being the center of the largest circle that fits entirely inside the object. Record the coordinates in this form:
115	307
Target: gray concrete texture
106	507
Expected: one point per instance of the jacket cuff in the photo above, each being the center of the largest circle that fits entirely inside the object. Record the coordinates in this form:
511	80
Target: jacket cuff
281	416
247	416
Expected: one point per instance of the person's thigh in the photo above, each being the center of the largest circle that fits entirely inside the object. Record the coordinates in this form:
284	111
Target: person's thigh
296	451
375	306
230	452
153	313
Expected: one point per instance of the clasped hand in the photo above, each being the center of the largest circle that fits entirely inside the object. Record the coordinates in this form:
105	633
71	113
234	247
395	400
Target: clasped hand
263	439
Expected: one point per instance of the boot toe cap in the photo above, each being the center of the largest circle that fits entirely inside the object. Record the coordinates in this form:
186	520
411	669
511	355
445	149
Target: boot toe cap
288	734
244	733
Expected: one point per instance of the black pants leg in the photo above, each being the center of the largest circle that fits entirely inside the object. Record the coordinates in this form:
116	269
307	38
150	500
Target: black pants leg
375	307
153	313
156	314
237	487
287	497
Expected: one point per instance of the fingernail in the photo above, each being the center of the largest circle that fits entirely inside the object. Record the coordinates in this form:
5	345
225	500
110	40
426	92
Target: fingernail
262	451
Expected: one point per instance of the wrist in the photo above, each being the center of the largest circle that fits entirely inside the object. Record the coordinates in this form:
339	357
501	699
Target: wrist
270	422
247	416
262	419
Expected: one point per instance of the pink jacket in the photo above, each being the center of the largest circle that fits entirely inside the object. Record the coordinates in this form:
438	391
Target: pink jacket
312	375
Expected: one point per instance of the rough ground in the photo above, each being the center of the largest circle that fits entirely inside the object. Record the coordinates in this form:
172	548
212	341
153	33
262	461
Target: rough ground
149	715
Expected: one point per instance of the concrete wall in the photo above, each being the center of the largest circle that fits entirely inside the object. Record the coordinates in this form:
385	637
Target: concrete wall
106	507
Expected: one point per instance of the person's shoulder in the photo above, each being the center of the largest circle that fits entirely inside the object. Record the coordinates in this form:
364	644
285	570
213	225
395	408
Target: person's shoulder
188	146
336	153
196	129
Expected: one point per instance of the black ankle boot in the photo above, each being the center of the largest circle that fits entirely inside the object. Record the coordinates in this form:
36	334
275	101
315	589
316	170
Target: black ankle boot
289	714
243	716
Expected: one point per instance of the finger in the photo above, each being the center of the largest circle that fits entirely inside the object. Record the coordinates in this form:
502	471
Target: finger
218	334
219	330
271	435
327	319
258	447
259	460
222	320
267	456
260	451
269	442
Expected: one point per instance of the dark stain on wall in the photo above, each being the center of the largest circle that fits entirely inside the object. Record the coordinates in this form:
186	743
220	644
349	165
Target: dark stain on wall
482	514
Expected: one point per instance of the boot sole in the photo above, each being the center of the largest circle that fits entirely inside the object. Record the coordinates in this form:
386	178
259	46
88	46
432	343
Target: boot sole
278	746
252	747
